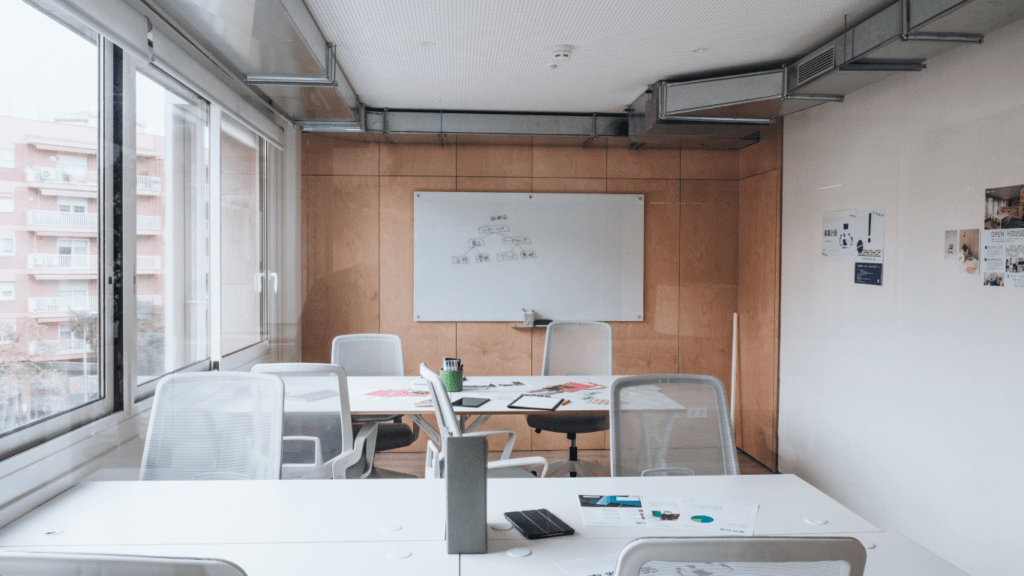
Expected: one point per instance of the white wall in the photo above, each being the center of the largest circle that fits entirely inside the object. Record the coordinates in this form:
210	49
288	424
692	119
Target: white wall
906	402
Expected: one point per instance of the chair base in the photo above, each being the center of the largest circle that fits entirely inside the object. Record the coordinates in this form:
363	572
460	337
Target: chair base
573	468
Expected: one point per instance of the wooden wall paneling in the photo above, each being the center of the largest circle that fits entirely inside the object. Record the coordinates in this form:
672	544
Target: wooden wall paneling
340	264
421	341
709	165
760	233
570	185
570	162
652	346
491	184
643	163
417	160
765	155
326	156
708	260
501	160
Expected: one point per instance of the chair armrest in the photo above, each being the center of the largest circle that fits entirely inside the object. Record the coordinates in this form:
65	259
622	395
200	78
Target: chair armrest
525	461
509	443
365	439
317	458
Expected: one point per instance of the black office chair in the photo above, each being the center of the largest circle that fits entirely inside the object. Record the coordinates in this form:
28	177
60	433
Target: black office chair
575	349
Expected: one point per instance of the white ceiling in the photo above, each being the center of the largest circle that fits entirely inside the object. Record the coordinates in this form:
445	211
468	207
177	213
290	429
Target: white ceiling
493	55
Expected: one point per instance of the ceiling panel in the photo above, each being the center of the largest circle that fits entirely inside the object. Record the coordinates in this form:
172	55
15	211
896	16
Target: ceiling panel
493	55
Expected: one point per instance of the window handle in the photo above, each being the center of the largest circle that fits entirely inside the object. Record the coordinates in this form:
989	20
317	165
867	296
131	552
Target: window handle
273	276
258	278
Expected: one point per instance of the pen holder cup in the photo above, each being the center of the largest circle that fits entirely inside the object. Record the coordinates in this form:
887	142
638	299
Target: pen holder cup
452	380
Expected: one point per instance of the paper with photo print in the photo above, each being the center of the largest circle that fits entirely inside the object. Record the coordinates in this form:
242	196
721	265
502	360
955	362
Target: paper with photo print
704	514
853	235
1002	254
611	510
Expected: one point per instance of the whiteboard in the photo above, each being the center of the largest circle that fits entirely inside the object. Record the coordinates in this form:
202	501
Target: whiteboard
485	256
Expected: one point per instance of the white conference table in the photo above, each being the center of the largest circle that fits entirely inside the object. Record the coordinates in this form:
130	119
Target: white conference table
359	526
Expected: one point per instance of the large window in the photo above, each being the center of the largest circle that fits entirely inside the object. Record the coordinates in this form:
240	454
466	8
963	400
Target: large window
49	136
241	236
172	277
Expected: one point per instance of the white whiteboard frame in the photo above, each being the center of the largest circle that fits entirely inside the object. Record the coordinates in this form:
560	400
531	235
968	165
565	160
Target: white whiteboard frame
574	257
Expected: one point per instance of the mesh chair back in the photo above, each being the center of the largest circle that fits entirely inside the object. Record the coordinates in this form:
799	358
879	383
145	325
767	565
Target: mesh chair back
76	564
324	384
368	354
215	426
447	422
578	349
671	424
783	556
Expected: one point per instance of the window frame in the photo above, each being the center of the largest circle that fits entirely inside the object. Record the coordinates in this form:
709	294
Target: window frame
20	440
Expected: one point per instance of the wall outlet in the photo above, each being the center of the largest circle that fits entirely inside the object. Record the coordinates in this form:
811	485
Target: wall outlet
696	412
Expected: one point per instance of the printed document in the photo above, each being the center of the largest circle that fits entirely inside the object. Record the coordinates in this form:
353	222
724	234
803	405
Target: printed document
602	510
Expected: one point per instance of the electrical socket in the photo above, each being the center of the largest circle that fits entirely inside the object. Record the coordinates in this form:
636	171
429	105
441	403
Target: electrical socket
697	412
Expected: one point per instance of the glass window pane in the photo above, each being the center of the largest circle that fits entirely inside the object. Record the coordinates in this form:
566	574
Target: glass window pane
241	192
49	118
172	271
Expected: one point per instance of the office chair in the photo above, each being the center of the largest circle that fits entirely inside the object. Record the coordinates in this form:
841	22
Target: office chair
575	349
23	563
739	556
215	426
671	425
320	445
448	426
376	355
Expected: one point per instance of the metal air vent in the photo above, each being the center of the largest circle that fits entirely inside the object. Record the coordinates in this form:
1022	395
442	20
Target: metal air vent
816	65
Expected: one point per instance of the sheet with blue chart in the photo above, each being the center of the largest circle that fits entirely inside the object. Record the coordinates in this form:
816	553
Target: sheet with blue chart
488	256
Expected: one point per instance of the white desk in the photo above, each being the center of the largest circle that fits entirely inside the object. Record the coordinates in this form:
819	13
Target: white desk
322	526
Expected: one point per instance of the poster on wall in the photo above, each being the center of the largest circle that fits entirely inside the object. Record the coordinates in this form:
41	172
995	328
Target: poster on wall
1004	208
853	235
1003	258
967	243
950	245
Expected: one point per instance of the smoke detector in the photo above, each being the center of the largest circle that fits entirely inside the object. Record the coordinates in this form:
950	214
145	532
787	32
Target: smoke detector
559	54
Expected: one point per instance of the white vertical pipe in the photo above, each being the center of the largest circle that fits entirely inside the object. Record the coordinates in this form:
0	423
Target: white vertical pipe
735	350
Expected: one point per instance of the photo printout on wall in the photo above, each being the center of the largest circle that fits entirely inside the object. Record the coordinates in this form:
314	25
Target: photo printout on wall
950	245
967	244
853	235
1004	208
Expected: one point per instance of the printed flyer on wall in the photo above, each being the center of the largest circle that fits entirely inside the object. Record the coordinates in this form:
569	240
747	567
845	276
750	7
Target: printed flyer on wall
1003	258
853	235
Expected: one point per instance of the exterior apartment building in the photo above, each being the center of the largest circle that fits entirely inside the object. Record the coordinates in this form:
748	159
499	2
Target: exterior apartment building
49	230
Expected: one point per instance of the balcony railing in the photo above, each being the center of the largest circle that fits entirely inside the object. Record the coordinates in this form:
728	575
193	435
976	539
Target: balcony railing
69	346
62	261
60	176
147	222
147	182
56	218
154	299
147	262
61	304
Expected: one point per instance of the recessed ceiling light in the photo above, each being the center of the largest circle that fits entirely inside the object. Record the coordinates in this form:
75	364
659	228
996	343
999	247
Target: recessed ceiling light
700	50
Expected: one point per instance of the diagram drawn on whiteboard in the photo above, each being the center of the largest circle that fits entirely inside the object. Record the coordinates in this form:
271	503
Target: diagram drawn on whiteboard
489	238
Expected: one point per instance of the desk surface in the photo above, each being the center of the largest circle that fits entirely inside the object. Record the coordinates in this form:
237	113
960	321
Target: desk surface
240	512
318	526
361	403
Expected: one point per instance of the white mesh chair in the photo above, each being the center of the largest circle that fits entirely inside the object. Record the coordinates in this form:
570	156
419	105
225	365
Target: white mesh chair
319	444
448	427
575	349
376	355
782	556
671	425
215	426
24	563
